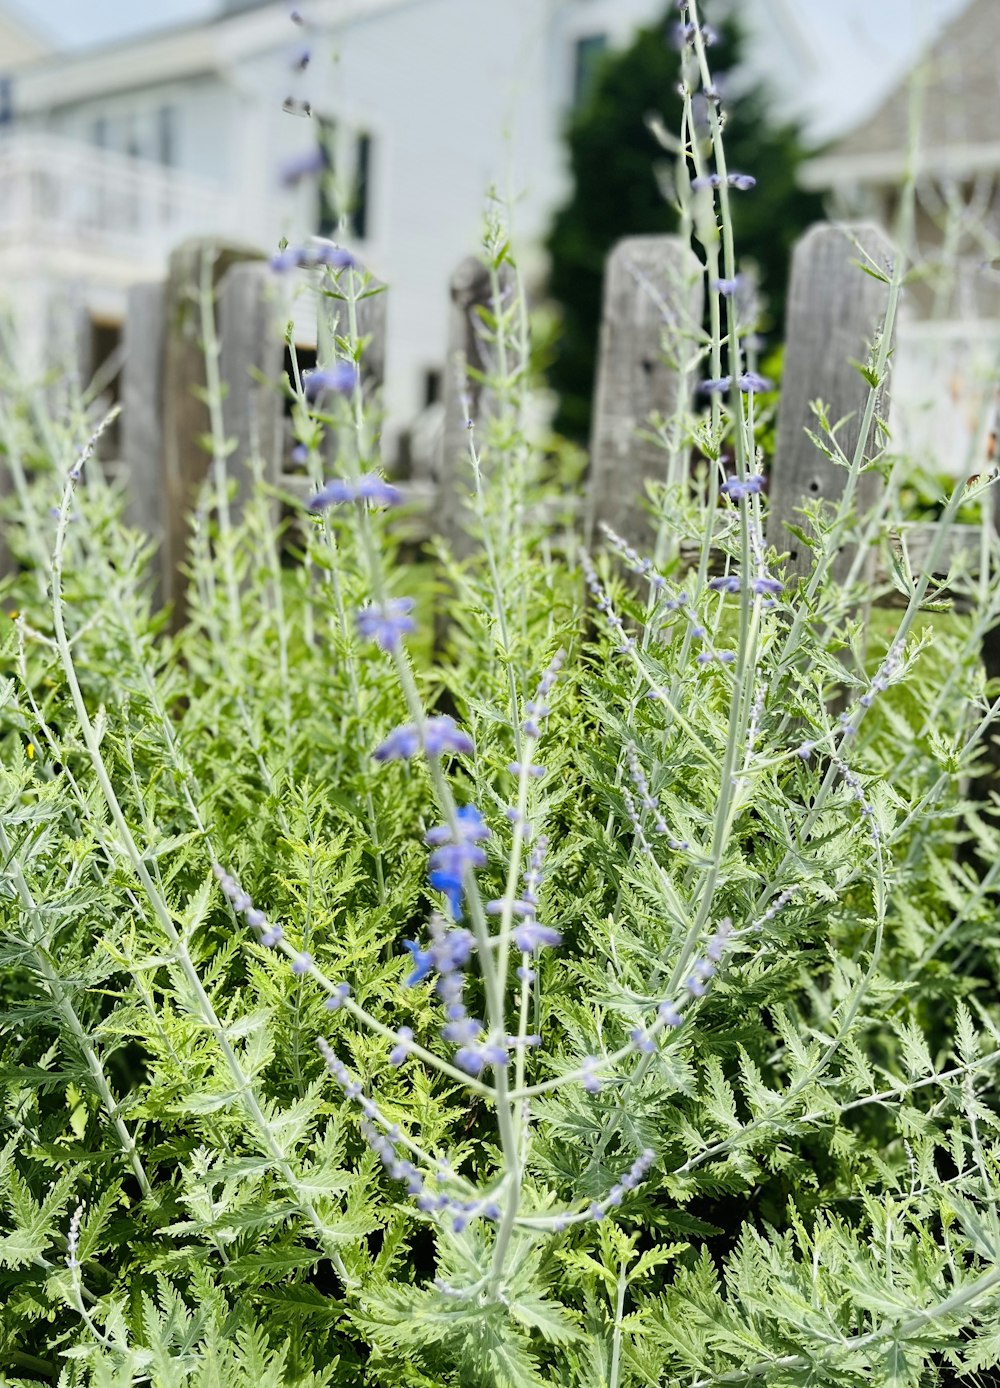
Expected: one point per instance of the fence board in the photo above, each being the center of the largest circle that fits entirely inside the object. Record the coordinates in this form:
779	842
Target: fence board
653	298
251	309
185	416
142	415
834	311
465	397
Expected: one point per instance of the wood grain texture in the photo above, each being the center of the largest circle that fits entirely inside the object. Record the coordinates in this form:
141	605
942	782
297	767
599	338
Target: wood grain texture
252	307
464	396
835	311
653	297
185	416
142	416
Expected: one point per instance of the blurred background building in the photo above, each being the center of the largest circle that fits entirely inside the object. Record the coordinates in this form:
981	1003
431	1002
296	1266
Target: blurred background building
119	142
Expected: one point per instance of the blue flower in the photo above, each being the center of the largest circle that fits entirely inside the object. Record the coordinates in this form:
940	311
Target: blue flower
764	585
387	622
304	165
340	378
531	935
729	584
737	490
401	744
470	827
399	1052
423	962
750	382
442	734
719	386
728	287
368	487
314	254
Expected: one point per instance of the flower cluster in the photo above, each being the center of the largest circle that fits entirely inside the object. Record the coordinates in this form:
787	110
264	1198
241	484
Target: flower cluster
741	181
269	933
368	487
749	382
307	164
738	490
629	1180
311	256
387	1142
386	623
434	736
529	935
339	379
457	851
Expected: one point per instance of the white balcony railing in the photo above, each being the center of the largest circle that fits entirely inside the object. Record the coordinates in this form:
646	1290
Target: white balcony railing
66	195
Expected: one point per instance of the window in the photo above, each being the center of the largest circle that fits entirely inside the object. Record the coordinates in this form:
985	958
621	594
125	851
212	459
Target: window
432	387
362	177
344	207
588	53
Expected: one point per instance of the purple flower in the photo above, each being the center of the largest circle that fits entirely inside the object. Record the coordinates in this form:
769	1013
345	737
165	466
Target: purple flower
750	382
668	1014
591	1080
530	936
442	734
339	378
470	827
742	182
729	287
719	386
399	1052
310	256
439	735
737	490
302	963
300	453
401	744
303	165
768	586
369	487
341	992
387	622
729	584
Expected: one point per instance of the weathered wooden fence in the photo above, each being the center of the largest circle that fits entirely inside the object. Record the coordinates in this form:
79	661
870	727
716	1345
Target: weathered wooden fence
652	315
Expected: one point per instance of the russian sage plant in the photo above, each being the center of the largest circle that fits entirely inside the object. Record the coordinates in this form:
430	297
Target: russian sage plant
602	992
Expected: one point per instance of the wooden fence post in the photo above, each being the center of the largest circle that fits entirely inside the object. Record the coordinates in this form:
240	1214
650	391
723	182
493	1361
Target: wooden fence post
142	416
464	397
653	296
185	415
834	312
251	307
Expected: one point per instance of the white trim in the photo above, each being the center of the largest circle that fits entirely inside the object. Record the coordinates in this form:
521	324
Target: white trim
180	53
838	170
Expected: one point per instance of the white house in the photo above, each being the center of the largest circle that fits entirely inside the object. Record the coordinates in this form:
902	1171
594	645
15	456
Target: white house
116	155
943	119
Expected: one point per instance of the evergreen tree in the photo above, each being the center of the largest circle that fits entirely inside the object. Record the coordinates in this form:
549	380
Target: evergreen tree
616	191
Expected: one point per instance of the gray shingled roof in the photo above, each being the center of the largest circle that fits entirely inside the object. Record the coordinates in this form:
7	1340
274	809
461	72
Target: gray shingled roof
960	102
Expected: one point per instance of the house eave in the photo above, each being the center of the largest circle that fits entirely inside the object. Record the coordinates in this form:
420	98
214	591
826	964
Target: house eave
889	167
176	54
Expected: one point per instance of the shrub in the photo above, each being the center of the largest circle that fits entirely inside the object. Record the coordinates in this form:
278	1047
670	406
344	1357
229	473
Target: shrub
598	999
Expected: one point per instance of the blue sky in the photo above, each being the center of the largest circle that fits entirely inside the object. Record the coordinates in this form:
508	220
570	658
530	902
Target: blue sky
864	45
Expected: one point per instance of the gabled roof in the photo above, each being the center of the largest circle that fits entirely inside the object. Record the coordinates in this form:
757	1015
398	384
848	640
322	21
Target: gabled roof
21	41
958	103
